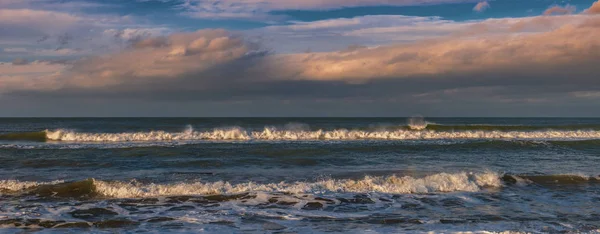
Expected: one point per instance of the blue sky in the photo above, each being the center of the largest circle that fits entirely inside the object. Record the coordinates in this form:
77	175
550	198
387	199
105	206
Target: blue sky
175	14
298	58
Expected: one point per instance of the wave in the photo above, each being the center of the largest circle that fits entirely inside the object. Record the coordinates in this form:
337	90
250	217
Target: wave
416	130
565	179
15	185
437	183
483	127
430	144
237	133
417	123
24	136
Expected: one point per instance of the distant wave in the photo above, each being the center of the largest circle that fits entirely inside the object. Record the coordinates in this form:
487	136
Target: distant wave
484	127
415	131
267	134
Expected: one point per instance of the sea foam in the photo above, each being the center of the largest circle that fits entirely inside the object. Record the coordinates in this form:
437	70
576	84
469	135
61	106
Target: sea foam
437	183
275	134
15	185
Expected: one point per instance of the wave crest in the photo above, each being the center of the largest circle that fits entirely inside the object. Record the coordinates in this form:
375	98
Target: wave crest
417	123
272	133
438	183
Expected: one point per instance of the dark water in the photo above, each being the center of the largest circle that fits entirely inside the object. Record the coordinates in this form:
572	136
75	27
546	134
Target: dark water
299	175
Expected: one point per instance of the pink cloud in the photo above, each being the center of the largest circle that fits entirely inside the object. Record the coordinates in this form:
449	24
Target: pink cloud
259	9
568	45
35	75
218	59
558	10
594	9
481	6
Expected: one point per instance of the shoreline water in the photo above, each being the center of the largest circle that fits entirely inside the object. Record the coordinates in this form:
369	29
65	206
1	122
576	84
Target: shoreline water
300	175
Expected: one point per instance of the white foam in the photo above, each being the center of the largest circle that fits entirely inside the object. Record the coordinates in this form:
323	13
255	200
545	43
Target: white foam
188	134
271	133
417	123
15	185
443	182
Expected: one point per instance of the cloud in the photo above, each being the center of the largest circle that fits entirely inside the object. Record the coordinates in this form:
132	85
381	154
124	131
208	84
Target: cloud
570	44
27	27
132	35
548	58
558	10
261	9
337	34
47	22
38	52
31	33
22	67
37	23
594	9
413	62
52	5
19	61
375	30
15	50
153	60
481	6
36	75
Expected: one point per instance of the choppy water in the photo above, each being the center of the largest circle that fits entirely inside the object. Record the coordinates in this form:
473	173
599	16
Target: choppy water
299	175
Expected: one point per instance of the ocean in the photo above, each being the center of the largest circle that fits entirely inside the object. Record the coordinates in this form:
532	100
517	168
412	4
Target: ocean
300	175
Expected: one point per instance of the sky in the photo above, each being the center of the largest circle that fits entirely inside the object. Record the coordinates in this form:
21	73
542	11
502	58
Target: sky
299	58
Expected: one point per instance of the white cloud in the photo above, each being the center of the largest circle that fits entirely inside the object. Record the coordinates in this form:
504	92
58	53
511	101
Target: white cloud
15	50
33	68
32	52
213	60
29	76
409	56
31	32
571	45
481	6
337	34
558	10
53	5
145	62
260	9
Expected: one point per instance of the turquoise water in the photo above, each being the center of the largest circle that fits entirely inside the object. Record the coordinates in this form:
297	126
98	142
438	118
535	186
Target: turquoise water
298	175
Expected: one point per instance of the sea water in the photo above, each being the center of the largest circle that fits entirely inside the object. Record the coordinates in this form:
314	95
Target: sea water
300	175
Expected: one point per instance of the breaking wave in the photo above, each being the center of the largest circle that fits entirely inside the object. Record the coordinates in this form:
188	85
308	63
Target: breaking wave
15	185
437	183
237	133
417	123
416	129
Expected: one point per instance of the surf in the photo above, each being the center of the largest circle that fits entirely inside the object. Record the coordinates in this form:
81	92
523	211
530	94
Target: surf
394	184
417	129
436	183
275	134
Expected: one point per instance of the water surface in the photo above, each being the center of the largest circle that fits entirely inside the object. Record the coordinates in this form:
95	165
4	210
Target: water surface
353	175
